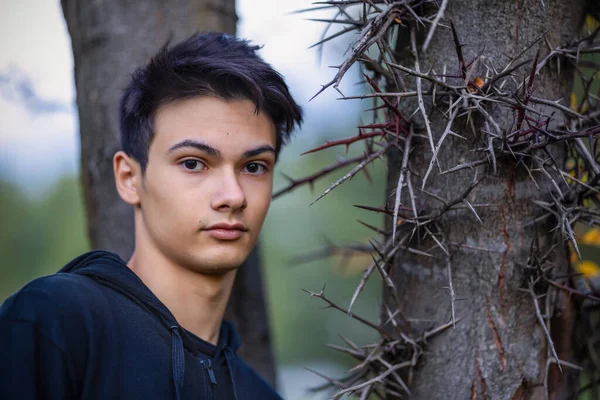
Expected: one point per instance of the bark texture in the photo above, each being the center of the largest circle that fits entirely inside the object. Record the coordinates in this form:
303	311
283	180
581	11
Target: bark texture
110	38
498	350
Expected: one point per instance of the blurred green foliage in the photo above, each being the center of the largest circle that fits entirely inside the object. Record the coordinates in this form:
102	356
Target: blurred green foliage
38	235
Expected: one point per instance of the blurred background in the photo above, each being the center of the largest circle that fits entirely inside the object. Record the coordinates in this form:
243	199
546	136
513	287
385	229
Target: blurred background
42	218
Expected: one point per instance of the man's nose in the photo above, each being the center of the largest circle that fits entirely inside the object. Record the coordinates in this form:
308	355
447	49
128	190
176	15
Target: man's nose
228	194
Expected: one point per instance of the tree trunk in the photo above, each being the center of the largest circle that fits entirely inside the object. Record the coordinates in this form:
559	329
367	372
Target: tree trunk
498	349
110	38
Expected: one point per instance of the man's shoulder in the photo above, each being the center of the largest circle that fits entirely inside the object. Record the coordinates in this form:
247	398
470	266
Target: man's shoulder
44	297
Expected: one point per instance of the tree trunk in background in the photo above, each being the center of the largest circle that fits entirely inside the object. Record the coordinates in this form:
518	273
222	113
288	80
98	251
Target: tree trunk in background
110	38
498	350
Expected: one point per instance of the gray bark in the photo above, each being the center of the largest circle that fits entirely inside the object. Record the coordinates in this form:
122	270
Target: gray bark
498	350
110	38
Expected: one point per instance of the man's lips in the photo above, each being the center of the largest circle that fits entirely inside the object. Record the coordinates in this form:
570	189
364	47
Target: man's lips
225	231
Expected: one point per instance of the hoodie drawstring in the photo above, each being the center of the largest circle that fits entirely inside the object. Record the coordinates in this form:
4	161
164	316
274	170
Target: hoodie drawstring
177	361
229	358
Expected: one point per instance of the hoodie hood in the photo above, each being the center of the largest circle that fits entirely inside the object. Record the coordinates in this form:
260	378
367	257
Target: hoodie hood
111	271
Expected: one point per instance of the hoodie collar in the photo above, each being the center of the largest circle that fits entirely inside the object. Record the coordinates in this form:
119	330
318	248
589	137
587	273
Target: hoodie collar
110	270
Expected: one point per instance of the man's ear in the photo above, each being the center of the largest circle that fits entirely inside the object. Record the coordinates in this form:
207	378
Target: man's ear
128	177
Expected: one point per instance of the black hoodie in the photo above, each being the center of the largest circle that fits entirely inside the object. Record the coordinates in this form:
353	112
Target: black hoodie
95	331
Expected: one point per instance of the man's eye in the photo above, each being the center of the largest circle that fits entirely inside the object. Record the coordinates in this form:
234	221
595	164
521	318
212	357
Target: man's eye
255	168
193	165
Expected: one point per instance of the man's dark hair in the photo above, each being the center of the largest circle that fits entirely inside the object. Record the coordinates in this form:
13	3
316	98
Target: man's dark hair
206	64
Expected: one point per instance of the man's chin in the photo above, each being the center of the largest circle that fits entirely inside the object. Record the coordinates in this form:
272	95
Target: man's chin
215	265
216	271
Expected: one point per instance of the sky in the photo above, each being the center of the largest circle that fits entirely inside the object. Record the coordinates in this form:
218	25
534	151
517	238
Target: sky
38	119
38	144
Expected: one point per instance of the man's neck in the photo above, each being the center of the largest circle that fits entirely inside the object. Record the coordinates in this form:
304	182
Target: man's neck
197	301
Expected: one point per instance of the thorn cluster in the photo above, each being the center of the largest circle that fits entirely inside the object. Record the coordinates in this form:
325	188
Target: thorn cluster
535	126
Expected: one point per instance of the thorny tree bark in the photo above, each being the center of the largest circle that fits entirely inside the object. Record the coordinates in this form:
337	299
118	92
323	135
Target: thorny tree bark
110	38
498	350
488	174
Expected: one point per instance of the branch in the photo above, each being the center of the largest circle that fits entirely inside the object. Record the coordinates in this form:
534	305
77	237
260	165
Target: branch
438	16
331	304
403	169
353	172
541	321
347	141
319	174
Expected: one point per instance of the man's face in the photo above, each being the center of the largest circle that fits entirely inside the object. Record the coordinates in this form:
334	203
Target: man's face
208	182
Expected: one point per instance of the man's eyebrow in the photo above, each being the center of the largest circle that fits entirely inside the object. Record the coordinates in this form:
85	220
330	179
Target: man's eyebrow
211	151
260	150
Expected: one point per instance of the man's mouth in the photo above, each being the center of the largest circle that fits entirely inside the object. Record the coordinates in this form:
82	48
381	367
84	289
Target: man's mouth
226	231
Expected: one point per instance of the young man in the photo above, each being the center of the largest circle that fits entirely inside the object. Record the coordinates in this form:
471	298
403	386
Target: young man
201	125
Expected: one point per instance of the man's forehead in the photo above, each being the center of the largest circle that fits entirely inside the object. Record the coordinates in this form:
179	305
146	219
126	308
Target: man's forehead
215	122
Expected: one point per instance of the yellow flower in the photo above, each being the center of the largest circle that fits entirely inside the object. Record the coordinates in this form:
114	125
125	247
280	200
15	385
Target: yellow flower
588	269
573	104
591	237
591	23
